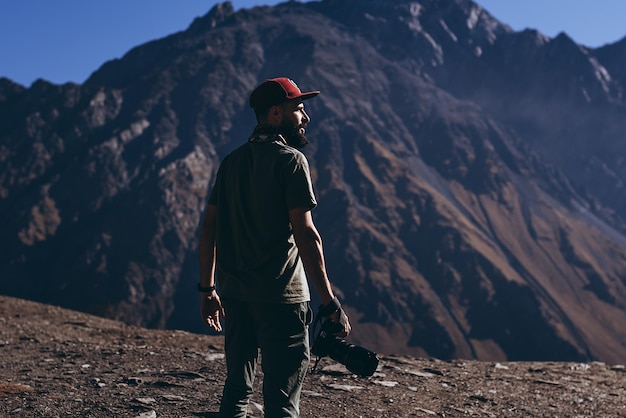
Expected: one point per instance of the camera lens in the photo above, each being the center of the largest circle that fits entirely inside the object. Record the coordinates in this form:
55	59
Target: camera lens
361	361
358	360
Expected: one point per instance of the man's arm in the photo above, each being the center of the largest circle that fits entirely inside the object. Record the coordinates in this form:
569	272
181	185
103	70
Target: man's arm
309	244
206	247
211	306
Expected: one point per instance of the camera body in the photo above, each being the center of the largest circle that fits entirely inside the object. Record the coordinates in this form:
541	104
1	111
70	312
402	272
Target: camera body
358	360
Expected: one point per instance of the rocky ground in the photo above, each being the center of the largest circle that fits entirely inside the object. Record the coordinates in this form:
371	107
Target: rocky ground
57	363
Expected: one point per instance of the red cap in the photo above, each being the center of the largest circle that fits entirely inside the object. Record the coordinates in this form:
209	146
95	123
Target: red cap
275	91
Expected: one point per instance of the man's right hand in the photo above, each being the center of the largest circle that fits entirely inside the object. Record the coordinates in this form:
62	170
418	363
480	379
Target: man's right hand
212	310
341	318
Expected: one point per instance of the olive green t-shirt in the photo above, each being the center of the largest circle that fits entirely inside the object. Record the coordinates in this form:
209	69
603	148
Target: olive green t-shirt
257	258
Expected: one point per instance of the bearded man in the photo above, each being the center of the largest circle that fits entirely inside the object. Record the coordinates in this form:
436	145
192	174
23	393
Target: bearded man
259	245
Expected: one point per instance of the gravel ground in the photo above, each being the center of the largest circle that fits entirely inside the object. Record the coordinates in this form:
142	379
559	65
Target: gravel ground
59	363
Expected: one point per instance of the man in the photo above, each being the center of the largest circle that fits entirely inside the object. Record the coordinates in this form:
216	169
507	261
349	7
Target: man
259	239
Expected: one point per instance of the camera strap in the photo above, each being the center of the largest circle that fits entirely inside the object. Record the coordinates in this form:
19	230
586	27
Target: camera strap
313	335
317	361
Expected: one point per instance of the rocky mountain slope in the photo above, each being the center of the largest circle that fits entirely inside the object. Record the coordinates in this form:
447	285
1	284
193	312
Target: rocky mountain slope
469	177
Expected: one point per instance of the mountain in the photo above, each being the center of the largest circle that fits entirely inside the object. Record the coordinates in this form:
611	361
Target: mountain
469	176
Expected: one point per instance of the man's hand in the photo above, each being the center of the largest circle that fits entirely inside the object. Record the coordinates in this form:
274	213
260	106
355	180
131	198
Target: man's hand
211	310
334	312
341	318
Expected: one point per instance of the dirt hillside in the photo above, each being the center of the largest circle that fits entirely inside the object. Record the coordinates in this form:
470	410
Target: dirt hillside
57	362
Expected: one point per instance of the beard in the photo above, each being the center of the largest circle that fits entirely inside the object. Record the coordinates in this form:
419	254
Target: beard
292	135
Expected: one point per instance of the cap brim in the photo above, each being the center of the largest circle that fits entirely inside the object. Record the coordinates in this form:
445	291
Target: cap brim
308	95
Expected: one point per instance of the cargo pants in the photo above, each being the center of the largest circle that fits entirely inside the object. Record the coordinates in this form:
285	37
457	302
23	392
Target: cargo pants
281	333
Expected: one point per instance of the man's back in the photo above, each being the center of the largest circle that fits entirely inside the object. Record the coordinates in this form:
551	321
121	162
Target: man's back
257	258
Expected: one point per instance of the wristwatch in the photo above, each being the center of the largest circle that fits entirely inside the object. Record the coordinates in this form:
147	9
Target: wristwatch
205	289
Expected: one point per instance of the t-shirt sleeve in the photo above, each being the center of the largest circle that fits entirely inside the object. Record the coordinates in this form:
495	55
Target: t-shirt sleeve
214	191
298	186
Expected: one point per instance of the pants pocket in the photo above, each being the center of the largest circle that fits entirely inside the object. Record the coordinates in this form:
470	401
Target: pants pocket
308	314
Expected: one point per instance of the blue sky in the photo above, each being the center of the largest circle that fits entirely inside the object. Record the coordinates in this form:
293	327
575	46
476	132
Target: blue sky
66	40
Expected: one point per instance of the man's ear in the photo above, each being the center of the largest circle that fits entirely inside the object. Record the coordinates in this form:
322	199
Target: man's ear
275	115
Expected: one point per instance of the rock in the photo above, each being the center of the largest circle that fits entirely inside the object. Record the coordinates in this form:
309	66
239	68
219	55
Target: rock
149	414
214	356
14	388
433	371
134	380
419	373
347	388
173	398
145	401
386	383
336	368
618	368
257	406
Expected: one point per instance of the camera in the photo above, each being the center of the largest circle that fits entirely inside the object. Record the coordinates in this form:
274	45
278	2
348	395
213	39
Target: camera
358	360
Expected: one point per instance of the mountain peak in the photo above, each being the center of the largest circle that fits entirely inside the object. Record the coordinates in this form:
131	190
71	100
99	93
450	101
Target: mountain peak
9	88
218	13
